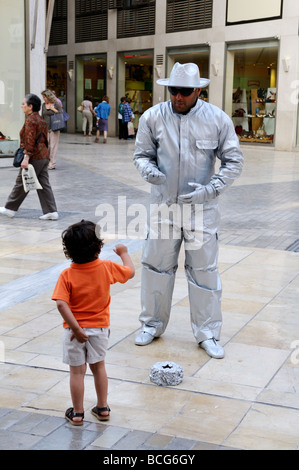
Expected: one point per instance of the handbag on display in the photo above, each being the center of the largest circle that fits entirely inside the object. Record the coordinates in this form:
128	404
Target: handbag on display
29	178
57	122
80	108
18	158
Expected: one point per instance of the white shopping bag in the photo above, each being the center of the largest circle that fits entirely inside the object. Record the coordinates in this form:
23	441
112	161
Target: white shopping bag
30	180
131	130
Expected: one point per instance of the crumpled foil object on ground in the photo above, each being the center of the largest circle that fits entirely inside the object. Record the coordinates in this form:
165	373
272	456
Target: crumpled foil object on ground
166	373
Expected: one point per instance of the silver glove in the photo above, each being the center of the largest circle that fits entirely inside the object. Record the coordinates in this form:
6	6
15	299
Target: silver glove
153	175
201	194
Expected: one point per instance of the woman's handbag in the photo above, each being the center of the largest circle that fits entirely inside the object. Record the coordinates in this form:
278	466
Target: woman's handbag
19	155
29	178
80	108
18	158
65	116
57	122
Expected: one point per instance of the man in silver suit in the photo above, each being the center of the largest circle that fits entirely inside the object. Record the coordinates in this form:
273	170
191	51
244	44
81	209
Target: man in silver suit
176	148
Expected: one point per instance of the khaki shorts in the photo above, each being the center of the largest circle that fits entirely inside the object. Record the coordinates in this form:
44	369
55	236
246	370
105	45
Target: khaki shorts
94	350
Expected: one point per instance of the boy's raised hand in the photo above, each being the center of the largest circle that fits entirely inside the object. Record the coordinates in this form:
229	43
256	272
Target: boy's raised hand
122	252
120	249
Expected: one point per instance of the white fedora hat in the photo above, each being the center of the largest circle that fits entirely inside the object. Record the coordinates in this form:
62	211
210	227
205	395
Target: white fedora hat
184	76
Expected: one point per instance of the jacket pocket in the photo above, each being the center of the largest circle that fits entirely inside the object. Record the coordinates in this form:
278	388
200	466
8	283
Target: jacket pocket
206	144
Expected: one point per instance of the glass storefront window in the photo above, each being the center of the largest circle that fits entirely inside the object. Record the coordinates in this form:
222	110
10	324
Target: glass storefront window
250	91
57	77
12	69
135	80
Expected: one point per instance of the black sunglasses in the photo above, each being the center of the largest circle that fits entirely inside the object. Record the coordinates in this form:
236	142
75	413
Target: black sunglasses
183	91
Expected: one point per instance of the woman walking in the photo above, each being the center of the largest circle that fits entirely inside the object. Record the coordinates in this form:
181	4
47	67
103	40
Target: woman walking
49	108
33	139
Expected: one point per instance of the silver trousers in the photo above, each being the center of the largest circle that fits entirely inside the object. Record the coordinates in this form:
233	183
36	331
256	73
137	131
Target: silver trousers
159	266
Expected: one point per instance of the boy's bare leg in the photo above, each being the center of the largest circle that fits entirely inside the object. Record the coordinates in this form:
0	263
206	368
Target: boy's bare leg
101	384
77	374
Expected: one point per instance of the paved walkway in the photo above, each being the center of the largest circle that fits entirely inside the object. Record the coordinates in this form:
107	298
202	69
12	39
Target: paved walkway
248	400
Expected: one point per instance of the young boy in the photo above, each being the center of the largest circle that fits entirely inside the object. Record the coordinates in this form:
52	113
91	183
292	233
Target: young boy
82	295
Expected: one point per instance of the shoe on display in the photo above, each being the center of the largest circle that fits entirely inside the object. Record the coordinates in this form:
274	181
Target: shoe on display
143	338
212	348
50	216
7	212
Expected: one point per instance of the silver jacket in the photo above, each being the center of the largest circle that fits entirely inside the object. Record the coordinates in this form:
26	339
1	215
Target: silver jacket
184	149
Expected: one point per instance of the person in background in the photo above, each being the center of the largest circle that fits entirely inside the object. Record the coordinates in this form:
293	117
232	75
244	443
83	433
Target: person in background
127	116
49	108
87	115
57	99
33	139
102	111
121	133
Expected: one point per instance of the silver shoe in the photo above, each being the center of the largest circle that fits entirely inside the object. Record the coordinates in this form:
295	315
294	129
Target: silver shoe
212	348
143	338
50	216
9	213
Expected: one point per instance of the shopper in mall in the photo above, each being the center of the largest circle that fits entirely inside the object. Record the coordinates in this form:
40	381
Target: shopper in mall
33	139
102	112
121	125
49	108
87	115
175	151
127	117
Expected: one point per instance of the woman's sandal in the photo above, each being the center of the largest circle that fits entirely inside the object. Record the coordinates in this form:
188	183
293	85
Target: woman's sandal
98	413
70	415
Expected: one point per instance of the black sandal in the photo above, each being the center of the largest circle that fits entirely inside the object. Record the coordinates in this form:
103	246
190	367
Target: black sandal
98	413
70	415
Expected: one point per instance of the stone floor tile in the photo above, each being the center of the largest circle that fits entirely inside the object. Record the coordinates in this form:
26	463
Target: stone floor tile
11	418
66	437
110	437
179	443
48	425
28	424
243	365
267	428
132	440
159	441
17	441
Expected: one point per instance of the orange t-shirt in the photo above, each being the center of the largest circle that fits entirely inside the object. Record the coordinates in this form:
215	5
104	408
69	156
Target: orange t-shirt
86	289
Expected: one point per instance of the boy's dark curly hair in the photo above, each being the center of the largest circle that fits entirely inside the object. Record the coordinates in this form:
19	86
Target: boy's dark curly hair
80	242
